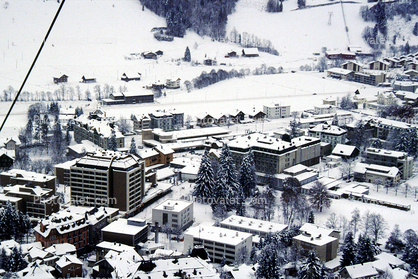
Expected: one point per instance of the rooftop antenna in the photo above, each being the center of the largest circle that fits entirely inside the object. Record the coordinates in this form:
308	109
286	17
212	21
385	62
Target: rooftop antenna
330	16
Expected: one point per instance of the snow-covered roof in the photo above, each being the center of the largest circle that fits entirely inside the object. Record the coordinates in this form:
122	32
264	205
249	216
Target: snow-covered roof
390	172
361	270
109	158
5	140
217	234
118	247
250	51
164	149
253	224
147	153
9	153
35	270
121	226
28	175
26	190
173	205
67	260
407	95
62	221
164	173
385	260
339	71
387	153
85	146
328	129
60	249
101	127
317	239
343	150
296	169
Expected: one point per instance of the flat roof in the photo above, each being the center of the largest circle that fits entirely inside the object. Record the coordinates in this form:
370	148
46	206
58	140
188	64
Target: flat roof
253	224
218	234
173	205
121	226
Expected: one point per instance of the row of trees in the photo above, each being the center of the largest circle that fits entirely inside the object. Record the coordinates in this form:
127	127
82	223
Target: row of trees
13	223
250	40
63	93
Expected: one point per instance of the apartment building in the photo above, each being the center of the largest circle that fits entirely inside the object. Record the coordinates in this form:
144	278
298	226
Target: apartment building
22	177
63	227
275	155
98	131
390	158
328	133
174	214
324	241
106	178
275	111
371	172
33	201
220	243
167	121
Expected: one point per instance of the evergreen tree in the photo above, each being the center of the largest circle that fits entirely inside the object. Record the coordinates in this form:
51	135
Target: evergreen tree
9	221
274	6
247	176
29	131
187	55
410	256
16	261
67	137
365	250
394	242
311	218
270	200
269	262
312	268
240	204
253	256
132	148
301	4
113	144
415	30
4	259
205	183
58	141
349	251
319	197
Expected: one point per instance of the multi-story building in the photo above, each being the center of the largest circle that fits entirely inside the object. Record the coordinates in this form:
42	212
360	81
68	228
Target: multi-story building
157	155
220	243
130	231
63	227
371	172
22	177
167	121
251	225
141	122
97	131
276	111
324	241
34	201
328	133
174	214
325	109
275	155
106	179
390	158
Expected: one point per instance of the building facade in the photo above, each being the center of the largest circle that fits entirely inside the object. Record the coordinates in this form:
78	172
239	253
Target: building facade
276	111
220	243
275	155
390	158
173	214
107	179
130	231
328	133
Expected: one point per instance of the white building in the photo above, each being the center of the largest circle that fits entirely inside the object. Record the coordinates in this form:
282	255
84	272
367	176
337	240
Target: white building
173	214
219	242
251	225
325	109
275	111
328	133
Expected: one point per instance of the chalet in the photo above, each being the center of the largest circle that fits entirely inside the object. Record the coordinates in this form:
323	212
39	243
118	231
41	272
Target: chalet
231	54
11	143
409	98
379	65
172	84
62	79
250	52
411	73
129	77
6	159
69	266
352	66
205	120
149	55
256	115
392	61
370	172
345	151
87	80
209	62
237	116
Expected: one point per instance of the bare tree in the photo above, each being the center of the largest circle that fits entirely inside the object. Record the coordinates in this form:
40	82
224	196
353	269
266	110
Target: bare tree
332	221
377	182
355	220
376	226
319	197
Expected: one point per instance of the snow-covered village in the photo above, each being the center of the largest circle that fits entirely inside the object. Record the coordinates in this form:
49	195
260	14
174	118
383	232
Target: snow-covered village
147	139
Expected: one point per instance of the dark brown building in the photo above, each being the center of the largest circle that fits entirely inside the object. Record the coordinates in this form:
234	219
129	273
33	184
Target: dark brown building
22	177
62	79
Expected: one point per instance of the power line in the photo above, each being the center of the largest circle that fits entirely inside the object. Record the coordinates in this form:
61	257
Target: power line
33	64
